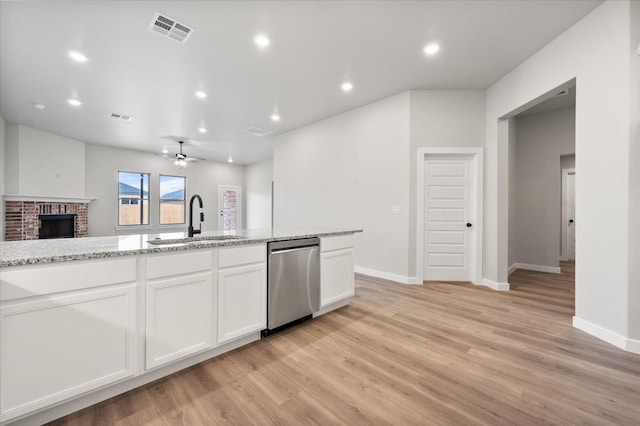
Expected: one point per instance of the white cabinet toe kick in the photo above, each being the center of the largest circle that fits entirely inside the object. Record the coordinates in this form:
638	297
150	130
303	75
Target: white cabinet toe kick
77	333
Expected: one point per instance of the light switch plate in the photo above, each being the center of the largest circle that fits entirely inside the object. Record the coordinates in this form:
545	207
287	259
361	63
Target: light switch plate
395	209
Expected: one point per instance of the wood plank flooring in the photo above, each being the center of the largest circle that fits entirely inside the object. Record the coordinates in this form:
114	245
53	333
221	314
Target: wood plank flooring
442	353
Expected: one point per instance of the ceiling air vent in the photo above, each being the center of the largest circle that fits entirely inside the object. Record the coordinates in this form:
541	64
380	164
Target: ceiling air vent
171	28
257	131
121	116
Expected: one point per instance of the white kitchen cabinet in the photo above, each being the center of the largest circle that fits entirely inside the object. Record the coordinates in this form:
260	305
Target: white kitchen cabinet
242	291
179	318
336	269
179	306
58	345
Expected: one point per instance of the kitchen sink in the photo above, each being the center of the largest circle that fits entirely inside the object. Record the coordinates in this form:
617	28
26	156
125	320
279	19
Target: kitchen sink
193	240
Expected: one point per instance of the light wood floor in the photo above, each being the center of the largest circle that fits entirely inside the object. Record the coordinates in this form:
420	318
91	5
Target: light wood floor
442	353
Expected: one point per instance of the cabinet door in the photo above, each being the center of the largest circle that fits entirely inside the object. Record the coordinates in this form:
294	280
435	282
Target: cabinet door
336	272
57	347
242	300
179	318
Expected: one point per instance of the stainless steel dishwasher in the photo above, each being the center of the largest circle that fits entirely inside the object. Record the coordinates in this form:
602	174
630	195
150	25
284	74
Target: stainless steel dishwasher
294	282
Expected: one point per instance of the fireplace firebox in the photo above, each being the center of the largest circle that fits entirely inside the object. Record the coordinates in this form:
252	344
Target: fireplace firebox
56	226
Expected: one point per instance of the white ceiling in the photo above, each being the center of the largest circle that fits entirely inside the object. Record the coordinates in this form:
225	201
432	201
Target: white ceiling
315	45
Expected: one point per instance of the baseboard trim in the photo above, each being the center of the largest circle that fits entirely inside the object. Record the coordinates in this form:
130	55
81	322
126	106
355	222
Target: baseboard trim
615	339
331	307
512	268
387	276
537	268
495	286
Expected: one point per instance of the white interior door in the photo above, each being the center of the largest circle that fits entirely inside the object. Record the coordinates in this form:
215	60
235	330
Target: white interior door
449	228
229	208
568	243
571	216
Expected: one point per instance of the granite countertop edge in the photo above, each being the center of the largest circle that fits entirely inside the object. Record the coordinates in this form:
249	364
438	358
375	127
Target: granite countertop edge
97	253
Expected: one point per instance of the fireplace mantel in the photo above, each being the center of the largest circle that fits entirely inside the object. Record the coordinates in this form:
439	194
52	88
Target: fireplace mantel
46	198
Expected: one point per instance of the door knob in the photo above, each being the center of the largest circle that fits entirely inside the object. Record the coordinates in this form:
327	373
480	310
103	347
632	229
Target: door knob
469	225
570	220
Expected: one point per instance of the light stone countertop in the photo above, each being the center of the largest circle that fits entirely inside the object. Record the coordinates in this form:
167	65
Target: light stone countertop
18	253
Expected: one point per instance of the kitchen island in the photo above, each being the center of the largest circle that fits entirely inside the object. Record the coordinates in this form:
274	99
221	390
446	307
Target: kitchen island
89	318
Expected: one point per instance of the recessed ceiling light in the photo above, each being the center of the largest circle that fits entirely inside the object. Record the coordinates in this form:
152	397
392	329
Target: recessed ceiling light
262	40
201	94
275	117
165	151
346	86
202	130
230	160
431	48
77	56
39	106
74	102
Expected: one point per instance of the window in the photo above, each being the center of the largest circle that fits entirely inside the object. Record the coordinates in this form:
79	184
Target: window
133	198
172	204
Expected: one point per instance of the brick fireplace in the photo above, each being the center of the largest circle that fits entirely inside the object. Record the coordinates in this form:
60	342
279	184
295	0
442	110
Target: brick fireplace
23	218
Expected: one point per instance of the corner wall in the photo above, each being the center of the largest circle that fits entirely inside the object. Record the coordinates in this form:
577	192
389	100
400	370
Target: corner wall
352	169
348	171
44	164
258	178
603	146
440	118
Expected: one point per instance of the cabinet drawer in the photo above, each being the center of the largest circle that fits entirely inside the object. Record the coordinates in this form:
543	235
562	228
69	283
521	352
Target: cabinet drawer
336	243
234	256
40	280
177	264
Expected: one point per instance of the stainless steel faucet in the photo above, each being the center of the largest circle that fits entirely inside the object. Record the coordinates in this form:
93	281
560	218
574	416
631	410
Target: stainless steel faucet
191	230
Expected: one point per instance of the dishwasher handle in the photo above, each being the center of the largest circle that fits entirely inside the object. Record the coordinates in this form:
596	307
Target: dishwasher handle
290	245
283	251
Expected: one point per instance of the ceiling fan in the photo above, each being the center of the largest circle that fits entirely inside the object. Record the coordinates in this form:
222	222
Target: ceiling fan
180	158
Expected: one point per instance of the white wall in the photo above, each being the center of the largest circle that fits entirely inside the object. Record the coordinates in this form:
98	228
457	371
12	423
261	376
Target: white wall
11	159
45	164
440	118
540	141
348	171
258	178
634	177
103	164
2	179
596	52
513	193
351	169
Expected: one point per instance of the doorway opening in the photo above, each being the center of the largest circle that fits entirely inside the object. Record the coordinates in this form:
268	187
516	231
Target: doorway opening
541	197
